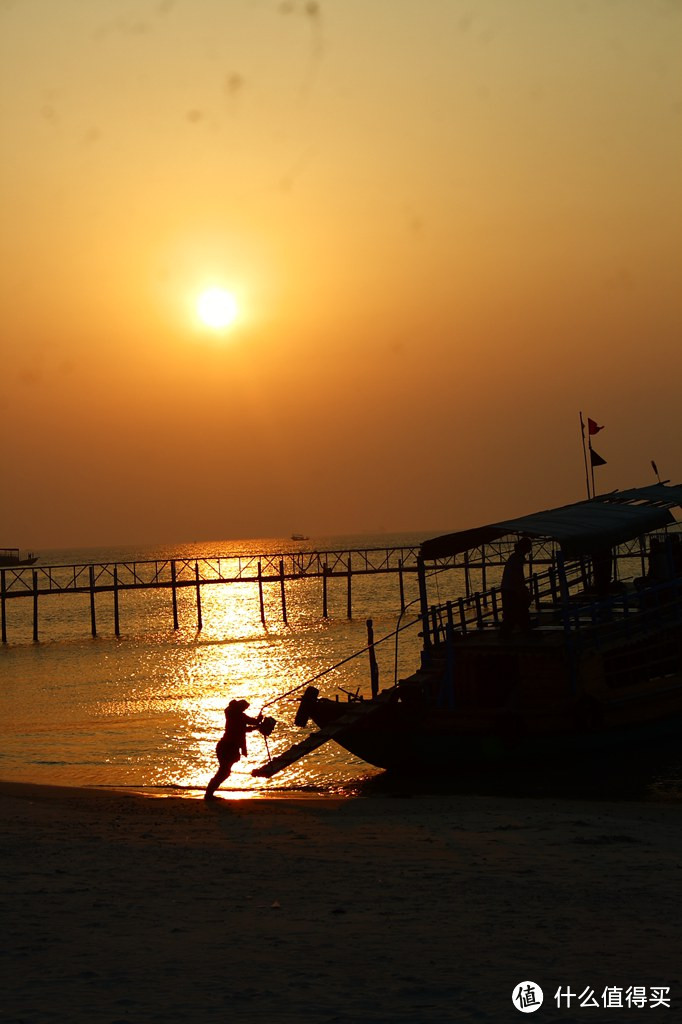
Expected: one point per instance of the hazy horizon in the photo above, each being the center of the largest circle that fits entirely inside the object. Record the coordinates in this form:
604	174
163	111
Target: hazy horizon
447	228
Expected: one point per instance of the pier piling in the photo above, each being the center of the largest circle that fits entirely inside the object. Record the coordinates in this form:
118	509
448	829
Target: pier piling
174	591
117	625
200	621
93	613
260	592
283	592
35	606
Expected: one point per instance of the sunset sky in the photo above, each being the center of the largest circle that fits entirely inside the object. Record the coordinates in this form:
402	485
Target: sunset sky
447	227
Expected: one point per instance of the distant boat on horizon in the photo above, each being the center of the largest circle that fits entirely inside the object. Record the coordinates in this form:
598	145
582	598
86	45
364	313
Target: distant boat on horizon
299	536
12	556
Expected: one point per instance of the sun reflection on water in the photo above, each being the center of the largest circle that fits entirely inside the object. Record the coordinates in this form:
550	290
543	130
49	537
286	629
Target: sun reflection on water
147	710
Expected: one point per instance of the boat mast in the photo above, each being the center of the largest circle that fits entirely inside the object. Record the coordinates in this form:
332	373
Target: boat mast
587	474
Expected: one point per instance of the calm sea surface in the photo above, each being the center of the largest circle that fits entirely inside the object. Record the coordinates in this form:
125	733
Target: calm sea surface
146	709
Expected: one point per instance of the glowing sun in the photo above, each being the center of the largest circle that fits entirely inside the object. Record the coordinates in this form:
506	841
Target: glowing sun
217	308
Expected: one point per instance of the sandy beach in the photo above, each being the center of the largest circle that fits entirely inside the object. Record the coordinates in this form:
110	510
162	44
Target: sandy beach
387	908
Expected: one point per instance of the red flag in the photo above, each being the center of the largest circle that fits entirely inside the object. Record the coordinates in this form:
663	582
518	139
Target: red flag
596	460
592	427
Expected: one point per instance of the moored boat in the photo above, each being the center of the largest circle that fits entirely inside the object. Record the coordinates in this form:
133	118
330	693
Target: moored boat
12	556
599	671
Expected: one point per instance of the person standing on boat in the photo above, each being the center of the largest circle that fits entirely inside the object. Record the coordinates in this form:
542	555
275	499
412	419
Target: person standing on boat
514	589
232	744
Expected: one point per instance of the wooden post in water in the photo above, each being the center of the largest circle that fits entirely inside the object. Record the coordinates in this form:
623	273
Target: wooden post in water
349	595
3	600
35	605
174	588
373	667
200	621
401	584
117	625
283	592
260	592
467	575
93	613
325	573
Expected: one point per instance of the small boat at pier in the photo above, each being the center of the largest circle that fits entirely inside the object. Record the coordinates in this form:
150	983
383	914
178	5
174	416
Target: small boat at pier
12	556
598	673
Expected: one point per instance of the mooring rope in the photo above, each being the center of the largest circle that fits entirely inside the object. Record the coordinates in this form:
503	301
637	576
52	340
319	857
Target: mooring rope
326	671
364	650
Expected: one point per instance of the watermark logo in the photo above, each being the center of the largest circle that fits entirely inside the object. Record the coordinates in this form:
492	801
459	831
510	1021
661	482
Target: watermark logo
634	997
527	996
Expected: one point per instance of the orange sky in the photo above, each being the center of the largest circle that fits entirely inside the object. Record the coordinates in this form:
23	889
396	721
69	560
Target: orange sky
449	227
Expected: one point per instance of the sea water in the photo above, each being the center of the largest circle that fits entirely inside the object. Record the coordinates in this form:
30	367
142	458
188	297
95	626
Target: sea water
145	709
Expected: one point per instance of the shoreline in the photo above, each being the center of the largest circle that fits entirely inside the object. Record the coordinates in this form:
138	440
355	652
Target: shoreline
621	782
389	908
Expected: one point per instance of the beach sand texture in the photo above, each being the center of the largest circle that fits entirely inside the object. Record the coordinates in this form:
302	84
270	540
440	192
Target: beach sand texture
382	909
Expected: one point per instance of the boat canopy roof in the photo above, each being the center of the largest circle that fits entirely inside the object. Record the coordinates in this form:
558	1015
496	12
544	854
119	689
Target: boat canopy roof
582	528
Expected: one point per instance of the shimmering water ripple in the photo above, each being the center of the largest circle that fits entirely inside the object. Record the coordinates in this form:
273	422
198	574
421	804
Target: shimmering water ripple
146	709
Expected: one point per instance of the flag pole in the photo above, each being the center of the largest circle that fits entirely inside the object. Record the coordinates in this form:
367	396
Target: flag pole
587	475
589	445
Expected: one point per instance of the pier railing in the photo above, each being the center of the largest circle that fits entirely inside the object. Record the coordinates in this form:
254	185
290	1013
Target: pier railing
249	568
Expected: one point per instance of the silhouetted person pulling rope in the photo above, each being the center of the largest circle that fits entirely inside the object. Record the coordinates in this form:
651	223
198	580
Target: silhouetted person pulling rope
232	744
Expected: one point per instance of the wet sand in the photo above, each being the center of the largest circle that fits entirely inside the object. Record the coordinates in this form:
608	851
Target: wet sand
379	909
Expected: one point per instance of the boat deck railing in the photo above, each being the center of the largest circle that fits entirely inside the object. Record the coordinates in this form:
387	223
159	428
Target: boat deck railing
564	605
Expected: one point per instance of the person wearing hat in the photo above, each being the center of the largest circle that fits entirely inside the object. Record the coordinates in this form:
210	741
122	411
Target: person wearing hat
515	593
232	744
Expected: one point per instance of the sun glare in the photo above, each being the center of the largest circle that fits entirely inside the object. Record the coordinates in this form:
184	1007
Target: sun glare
217	308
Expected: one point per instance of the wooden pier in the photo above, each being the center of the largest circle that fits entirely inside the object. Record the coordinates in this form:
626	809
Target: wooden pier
37	582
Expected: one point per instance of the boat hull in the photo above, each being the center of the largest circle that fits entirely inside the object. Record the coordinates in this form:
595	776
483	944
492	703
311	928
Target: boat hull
399	740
